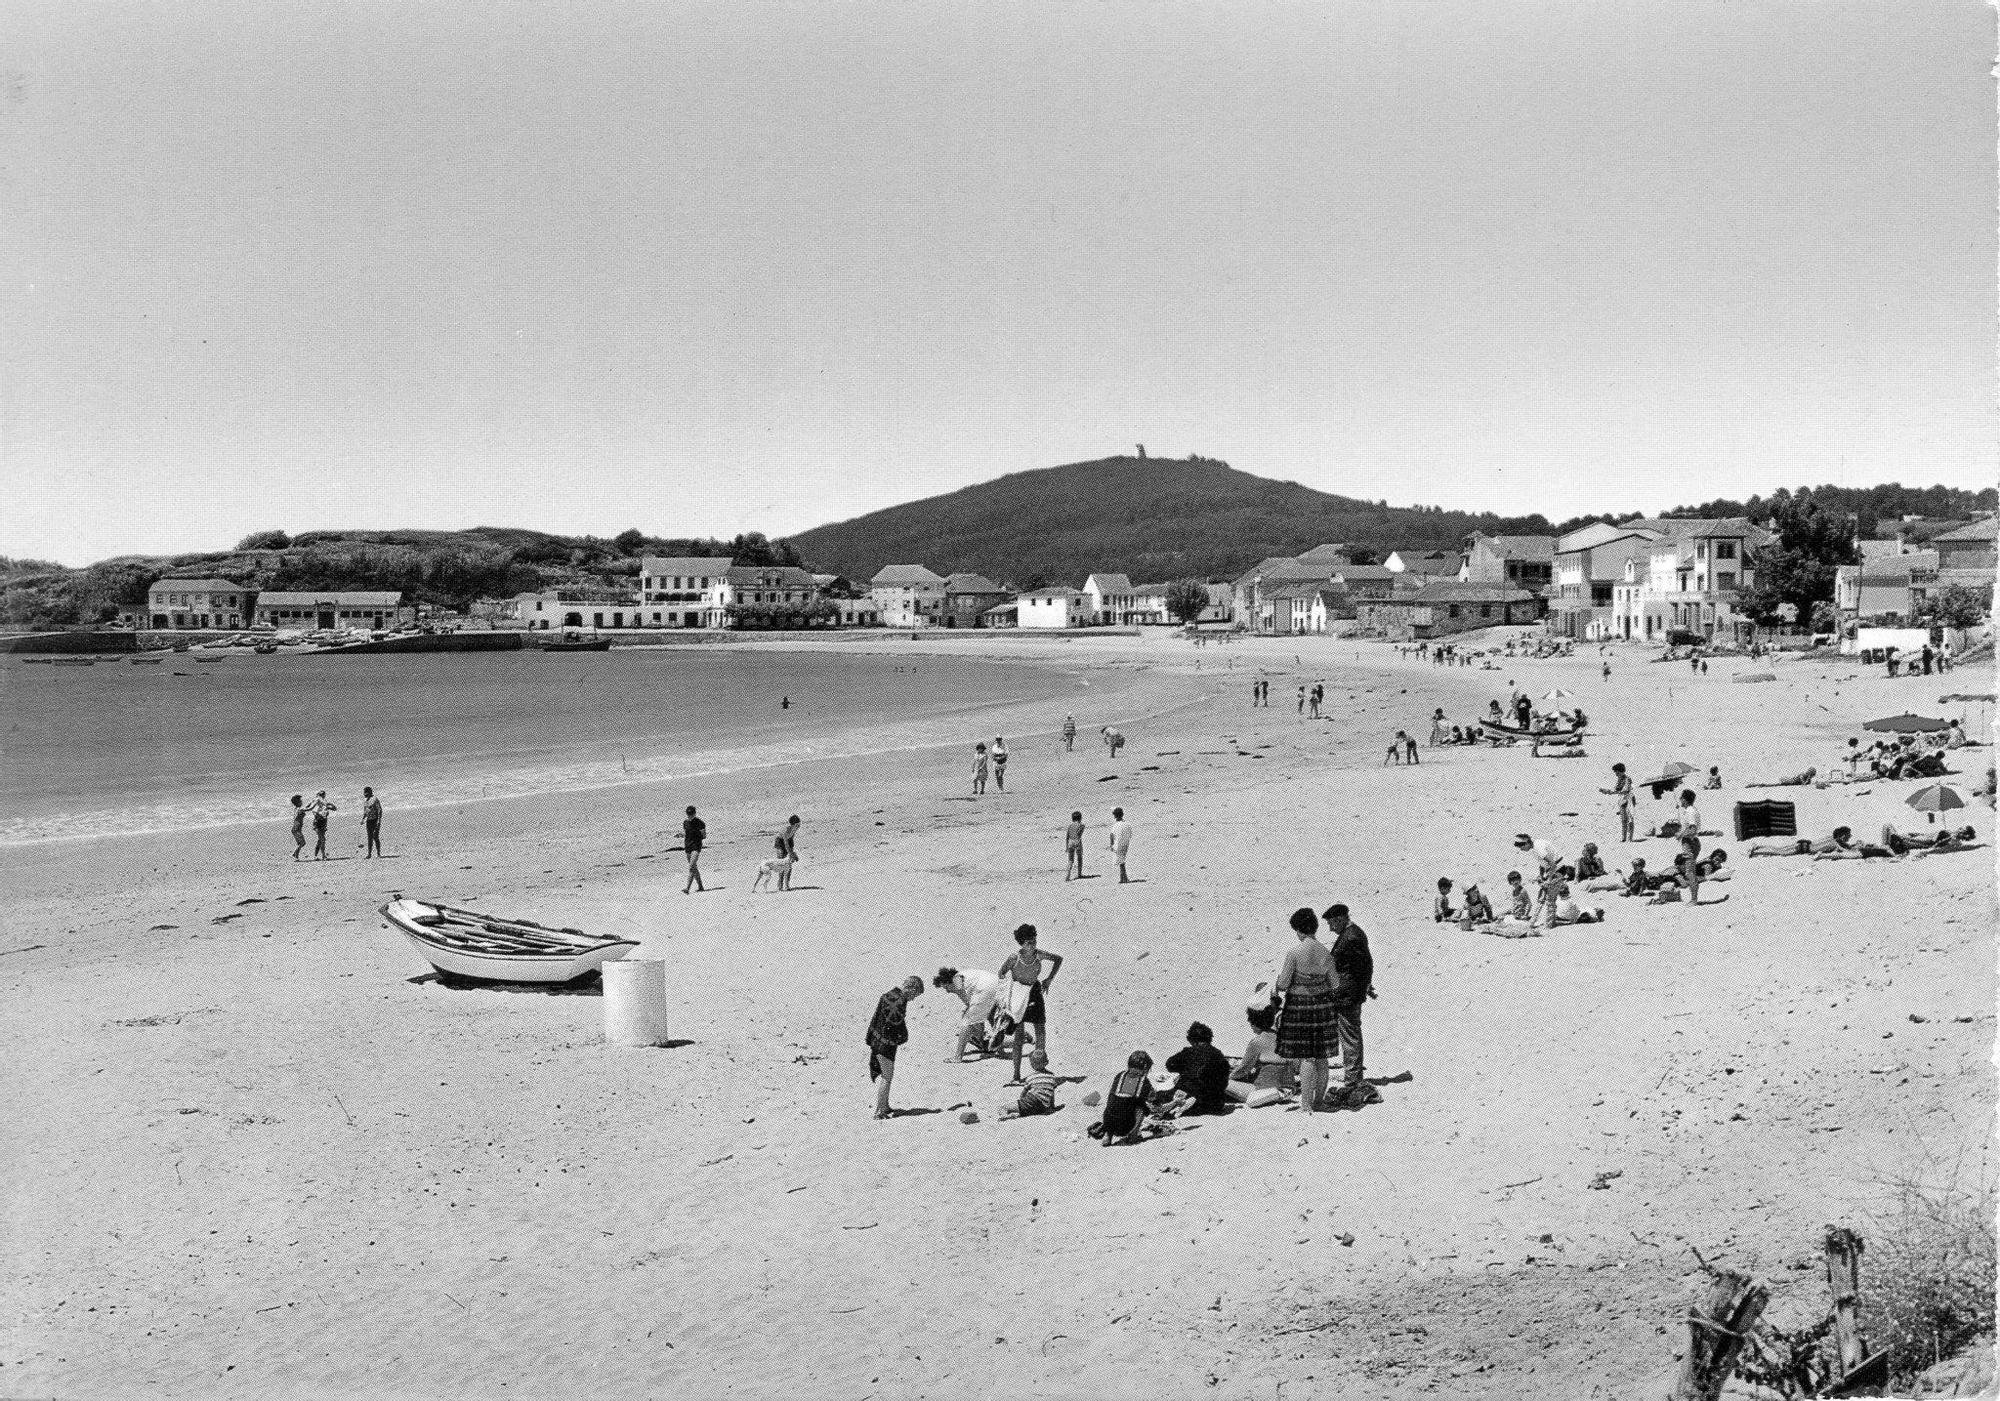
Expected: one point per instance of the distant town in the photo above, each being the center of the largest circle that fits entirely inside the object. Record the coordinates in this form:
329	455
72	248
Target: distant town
1646	579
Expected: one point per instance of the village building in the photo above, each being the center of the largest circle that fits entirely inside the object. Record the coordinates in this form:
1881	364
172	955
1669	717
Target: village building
685	591
1589	569
1969	550
1111	597
1517	561
968	598
198	603
1055	608
553	609
1446	606
1425	564
1693	580
857	612
1316	565
908	595
349	608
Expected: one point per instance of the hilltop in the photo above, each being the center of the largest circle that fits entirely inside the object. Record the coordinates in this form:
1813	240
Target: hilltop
1151	518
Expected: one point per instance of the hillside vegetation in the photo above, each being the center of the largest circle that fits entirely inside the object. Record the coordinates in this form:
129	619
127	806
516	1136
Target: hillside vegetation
1150	518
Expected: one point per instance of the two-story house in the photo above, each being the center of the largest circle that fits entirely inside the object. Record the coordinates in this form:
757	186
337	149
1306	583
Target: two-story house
968	598
1588	570
198	603
1511	561
1693	580
1054	608
685	591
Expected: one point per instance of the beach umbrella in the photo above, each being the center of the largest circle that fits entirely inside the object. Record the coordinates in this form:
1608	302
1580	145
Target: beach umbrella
1907	724
1934	799
1676	769
1558	694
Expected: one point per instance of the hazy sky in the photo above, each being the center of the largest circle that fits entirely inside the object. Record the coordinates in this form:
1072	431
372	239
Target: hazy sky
702	268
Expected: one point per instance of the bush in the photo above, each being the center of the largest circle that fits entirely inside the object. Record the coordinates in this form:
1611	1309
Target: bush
265	540
1927	1279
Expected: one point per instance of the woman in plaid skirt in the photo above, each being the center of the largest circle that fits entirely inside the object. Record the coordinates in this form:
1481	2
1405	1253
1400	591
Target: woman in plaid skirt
1306	1030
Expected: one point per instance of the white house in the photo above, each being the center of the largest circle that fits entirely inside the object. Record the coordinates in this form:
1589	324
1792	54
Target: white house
349	608
1055	608
1110	597
554	609
685	591
907	595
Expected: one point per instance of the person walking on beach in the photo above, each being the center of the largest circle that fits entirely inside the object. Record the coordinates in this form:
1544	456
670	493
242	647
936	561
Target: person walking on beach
371	821
978	769
888	1029
1024	967
694	832
1069	733
1627	799
788	847
1302	700
1114	738
321	810
1121	841
298	825
1353	984
999	764
1073	846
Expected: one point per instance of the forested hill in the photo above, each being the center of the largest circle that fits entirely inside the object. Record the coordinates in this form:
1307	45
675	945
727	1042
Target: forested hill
1151	518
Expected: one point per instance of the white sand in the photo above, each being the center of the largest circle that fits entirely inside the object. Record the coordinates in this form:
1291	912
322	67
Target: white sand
253	1158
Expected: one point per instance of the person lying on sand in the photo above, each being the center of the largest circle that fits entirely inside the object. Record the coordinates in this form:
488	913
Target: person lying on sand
1559	747
1566	911
1921	842
1125	1103
1707	868
1805	846
1858	851
1797	780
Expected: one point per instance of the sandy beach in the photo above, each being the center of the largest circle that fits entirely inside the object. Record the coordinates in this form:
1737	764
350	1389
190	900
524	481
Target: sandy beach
256	1152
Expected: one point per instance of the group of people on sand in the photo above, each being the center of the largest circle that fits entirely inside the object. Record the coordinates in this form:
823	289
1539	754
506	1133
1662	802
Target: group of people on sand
1840	844
996	759
774	870
1308	1014
1552	902
1119	843
320	810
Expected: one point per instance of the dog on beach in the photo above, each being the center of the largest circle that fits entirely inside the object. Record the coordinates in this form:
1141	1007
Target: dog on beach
774	869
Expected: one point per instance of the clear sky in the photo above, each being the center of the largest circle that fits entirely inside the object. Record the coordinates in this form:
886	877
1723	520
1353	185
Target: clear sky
702	268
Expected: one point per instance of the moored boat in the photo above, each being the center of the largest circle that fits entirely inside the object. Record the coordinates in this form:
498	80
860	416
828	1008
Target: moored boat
492	949
570	642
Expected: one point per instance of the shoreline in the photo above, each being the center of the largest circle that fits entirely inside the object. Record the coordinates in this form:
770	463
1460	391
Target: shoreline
374	1152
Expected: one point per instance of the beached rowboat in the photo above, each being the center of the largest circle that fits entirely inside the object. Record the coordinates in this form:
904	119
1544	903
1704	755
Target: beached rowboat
490	949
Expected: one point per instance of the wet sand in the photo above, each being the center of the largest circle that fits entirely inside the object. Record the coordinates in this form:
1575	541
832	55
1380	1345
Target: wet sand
256	1154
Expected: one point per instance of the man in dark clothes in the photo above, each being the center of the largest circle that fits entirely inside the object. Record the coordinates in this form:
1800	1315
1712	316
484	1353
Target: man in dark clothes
886	1031
1203	1071
1353	984
693	833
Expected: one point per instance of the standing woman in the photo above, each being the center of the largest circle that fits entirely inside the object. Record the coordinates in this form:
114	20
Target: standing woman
1305	1029
1621	789
298	825
999	764
978	769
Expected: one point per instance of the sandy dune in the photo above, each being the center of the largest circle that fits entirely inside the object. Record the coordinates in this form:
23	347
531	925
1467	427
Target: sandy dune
254	1157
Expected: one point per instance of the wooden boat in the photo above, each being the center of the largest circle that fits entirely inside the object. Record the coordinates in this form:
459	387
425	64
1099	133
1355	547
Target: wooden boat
146	661
1503	728
209	661
76	661
490	949
38	661
568	643
265	649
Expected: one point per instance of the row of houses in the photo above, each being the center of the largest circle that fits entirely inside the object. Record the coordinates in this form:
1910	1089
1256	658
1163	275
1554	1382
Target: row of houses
220	605
1904	568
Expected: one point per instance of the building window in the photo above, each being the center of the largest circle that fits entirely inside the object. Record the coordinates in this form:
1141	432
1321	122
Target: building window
1725	579
1725	549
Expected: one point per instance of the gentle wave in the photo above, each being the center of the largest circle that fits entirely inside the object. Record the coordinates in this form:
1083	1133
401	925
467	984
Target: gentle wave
244	809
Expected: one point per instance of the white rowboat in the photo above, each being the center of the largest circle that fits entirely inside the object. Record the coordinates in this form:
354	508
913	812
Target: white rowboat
490	949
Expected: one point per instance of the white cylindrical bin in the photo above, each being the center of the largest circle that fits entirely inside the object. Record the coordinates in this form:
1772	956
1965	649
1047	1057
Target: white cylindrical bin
635	1002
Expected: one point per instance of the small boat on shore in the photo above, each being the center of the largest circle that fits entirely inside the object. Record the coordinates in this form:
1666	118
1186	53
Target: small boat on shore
146	661
492	949
569	642
76	661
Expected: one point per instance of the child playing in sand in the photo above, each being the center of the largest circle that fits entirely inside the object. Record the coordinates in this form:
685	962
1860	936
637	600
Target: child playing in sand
1125	1103
1409	748
1038	1095
1441	907
1478	909
1519	905
1073	847
1714	778
1395	754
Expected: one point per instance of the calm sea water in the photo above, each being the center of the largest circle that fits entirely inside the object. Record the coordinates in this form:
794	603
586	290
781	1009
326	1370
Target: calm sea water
115	748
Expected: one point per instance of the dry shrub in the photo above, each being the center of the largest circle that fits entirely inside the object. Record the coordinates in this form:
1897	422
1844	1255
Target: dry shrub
1927	1278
